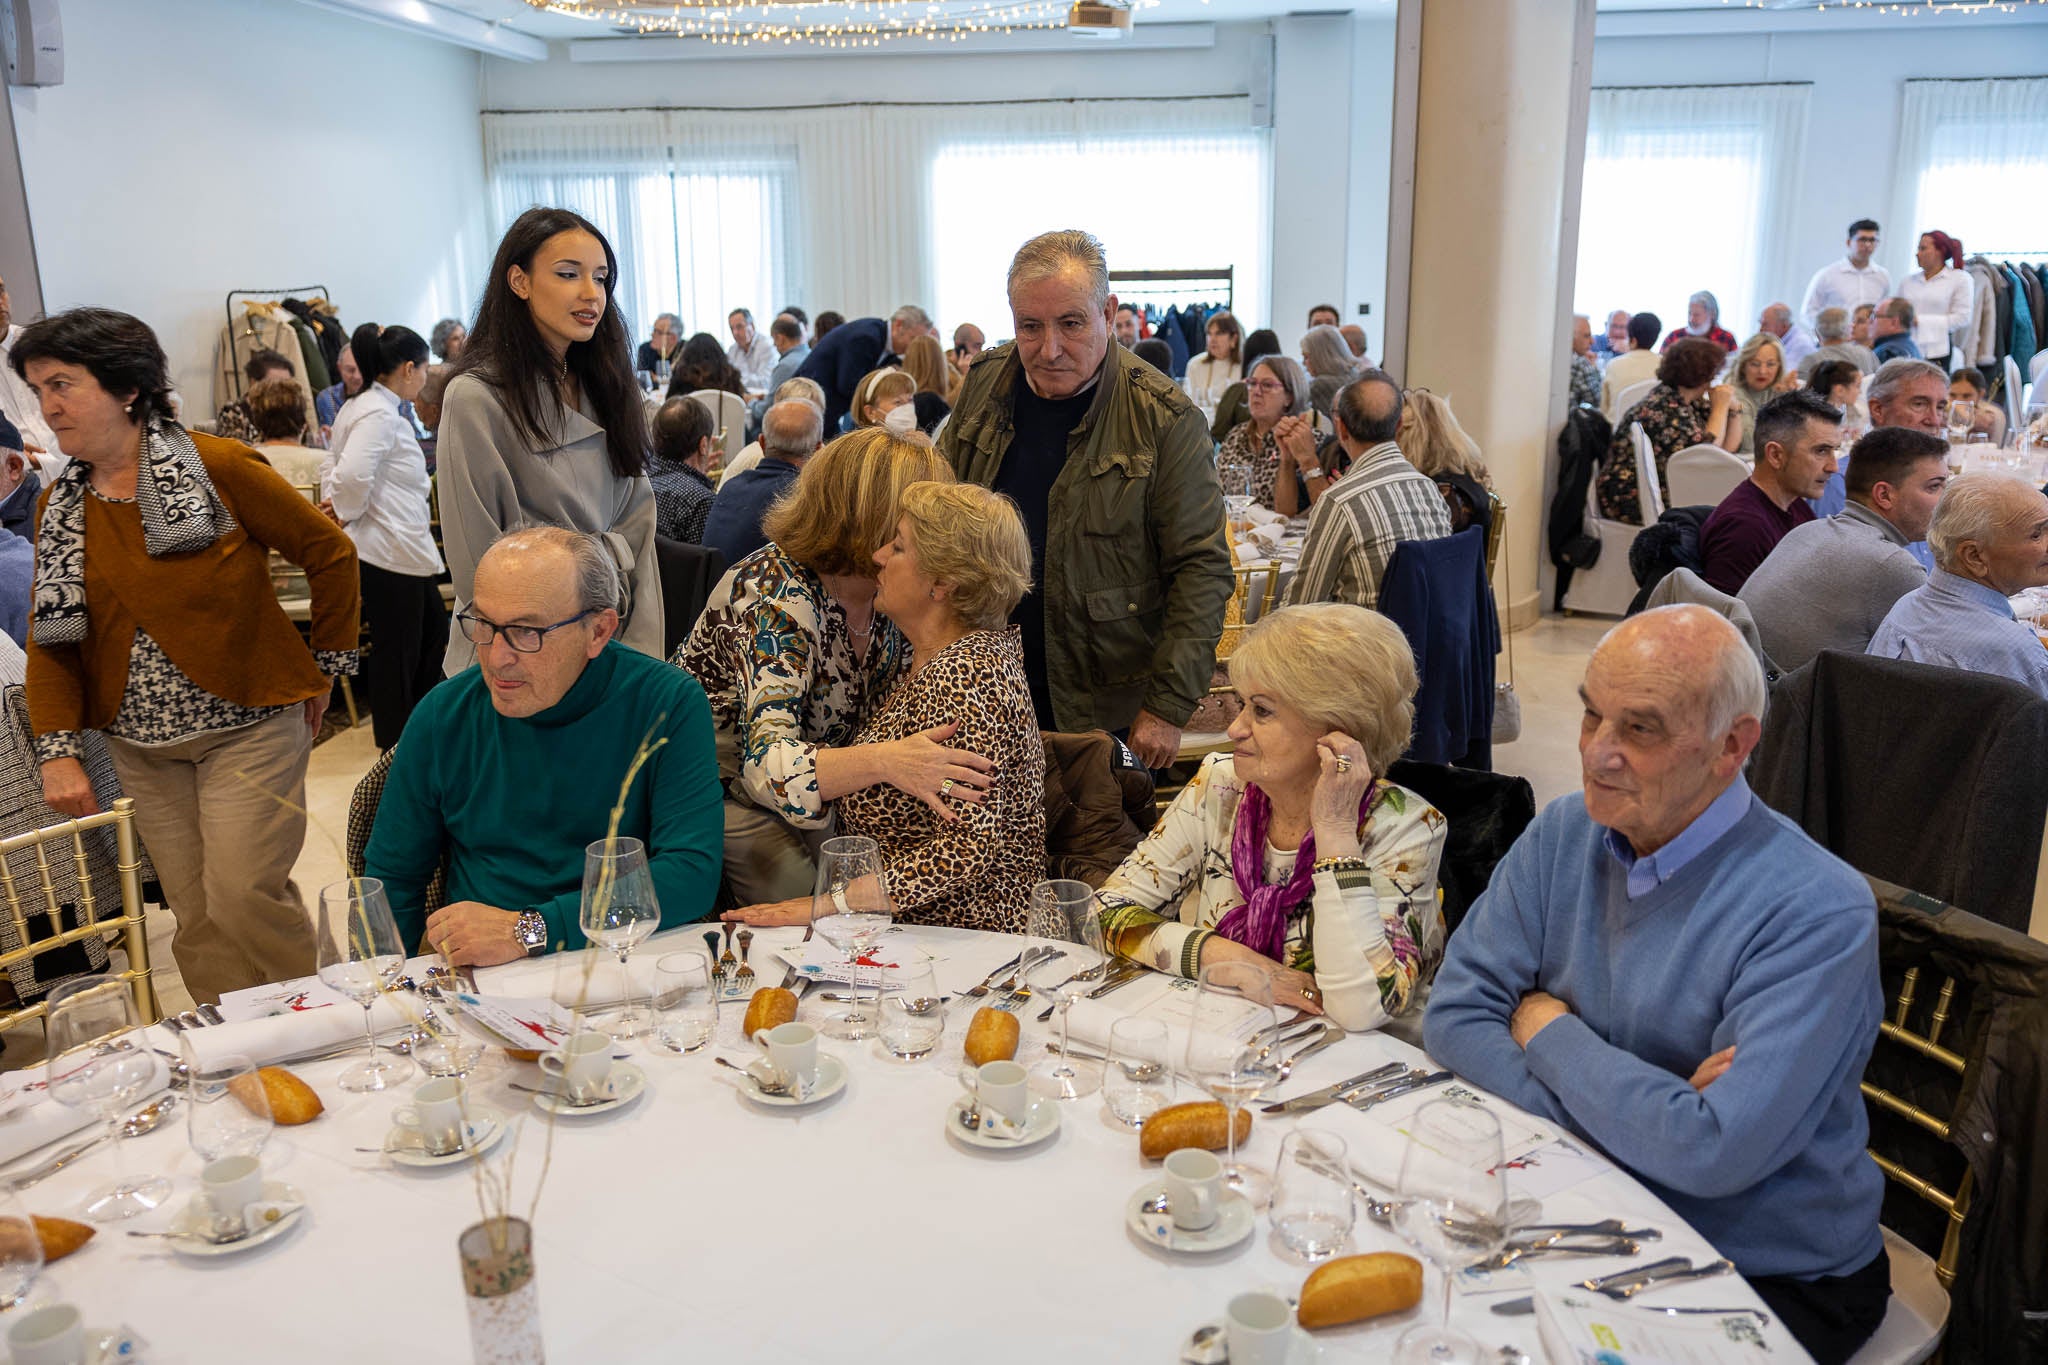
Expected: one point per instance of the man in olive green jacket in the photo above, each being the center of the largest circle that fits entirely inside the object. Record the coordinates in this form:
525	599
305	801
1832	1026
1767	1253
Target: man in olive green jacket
1115	475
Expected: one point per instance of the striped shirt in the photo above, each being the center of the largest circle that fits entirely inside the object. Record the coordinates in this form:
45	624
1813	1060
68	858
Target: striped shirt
1381	501
1957	623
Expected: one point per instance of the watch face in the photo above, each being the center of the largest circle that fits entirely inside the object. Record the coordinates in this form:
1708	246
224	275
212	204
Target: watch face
533	931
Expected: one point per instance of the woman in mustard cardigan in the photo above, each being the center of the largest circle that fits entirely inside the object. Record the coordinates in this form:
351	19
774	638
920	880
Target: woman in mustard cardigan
154	620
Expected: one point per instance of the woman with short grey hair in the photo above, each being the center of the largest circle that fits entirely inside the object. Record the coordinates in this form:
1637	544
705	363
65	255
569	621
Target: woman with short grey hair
1275	456
1327	356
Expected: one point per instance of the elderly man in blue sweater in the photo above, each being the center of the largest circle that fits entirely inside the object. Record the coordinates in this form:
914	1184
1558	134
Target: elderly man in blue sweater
1678	974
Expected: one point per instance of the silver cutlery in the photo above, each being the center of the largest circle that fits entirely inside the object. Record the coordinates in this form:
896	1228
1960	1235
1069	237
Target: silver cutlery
1119	979
717	971
1014	993
560	1095
837	998
989	982
1330	1034
1415	1082
1085	974
766	1087
1557	1245
222	1239
744	978
1316	1099
211	1014
1378	1209
727	963
136	1124
170	1022
190	1020
1763	1318
1608	1227
1684	1271
1634	1273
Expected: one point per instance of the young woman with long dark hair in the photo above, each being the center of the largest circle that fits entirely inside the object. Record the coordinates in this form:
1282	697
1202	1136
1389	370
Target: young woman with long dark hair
375	479
543	420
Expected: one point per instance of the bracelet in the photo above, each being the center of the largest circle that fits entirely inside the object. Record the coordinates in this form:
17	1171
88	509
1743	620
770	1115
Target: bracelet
1340	863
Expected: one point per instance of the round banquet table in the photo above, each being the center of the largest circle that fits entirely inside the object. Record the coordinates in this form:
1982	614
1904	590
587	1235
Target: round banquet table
694	1223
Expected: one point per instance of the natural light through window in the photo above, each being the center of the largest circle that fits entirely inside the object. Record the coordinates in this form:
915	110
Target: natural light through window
715	240
1036	184
1952	195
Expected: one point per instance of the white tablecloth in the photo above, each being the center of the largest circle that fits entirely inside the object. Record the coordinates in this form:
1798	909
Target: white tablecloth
695	1224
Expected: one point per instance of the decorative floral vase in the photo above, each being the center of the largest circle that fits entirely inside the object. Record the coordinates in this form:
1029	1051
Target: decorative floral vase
503	1297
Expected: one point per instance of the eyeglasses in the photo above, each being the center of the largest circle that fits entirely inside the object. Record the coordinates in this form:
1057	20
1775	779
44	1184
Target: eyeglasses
1265	387
523	639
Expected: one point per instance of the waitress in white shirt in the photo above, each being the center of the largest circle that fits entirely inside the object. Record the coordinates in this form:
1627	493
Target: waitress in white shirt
1220	366
1941	294
375	479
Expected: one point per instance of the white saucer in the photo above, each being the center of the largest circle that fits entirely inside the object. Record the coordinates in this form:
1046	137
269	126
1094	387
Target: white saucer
1235	1219
104	1346
480	1133
1303	1349
1041	1121
831	1080
196	1215
622	1087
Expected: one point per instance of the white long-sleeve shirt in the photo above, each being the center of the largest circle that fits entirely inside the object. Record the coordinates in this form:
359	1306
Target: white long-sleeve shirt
1941	307
755	363
1838	284
24	409
1208	377
376	477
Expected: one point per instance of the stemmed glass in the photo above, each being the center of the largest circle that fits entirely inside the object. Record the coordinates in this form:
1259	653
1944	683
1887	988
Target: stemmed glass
850	909
1064	913
230	1111
1454	1209
619	912
21	1251
1962	414
100	1062
1230	1054
361	955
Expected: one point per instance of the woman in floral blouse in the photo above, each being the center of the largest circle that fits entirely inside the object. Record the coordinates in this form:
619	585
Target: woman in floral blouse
1292	851
1687	408
793	656
1278	436
949	578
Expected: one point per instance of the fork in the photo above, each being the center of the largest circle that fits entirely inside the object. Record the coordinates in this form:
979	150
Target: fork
744	977
728	965
717	967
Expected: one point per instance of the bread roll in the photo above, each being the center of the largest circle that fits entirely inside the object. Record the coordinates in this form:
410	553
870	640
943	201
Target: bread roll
1199	1124
1354	1288
60	1236
292	1101
992	1036
770	1006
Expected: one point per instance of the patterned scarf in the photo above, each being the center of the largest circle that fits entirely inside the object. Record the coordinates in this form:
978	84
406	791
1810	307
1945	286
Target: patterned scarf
1261	922
181	512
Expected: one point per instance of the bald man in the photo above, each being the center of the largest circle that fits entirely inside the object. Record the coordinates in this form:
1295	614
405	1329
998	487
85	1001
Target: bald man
1679	975
1990	540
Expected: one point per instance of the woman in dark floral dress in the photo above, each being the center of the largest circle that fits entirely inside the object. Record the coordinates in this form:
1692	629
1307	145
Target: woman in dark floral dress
1687	408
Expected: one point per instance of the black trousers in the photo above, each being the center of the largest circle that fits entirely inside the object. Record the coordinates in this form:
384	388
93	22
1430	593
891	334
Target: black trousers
1833	1315
408	634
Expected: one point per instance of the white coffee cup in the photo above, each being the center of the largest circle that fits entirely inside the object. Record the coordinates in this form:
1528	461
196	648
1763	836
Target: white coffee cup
1002	1086
1258	1328
436	1114
1194	1187
49	1336
792	1052
583	1063
232	1184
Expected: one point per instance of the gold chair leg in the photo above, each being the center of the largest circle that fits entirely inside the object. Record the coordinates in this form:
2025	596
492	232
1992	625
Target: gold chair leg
348	697
135	938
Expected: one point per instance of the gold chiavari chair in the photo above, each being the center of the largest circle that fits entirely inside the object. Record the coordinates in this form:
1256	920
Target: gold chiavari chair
1931	1007
1255	583
67	841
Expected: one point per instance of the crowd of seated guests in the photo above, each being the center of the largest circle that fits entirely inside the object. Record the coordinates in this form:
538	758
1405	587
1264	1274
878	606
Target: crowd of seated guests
1687	408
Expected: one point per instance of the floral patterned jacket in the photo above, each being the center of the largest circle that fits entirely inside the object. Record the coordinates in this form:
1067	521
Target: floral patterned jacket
1370	936
775	657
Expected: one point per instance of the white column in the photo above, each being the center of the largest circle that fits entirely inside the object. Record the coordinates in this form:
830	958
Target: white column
1312	77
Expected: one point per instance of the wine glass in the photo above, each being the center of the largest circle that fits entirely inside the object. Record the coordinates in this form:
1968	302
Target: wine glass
21	1251
361	955
229	1113
1137	1081
1454	1209
100	1062
1312	1207
1230	1054
685	1001
1063	913
913	1019
619	911
850	909
1962	414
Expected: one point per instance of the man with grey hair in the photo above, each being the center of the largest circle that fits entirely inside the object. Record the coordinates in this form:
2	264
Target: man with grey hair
1776	319
1702	319
790	432
1832	329
1990	541
1114	474
1679	975
1903	393
906	324
510	769
658	352
1891	331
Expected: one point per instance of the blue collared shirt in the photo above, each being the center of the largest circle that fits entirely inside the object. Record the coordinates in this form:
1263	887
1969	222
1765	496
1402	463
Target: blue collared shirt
1651	870
1955	623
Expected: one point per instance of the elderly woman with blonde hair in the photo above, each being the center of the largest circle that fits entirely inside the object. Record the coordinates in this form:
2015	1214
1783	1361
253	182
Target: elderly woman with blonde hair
1759	374
881	392
1293	851
794	657
957	565
1433	441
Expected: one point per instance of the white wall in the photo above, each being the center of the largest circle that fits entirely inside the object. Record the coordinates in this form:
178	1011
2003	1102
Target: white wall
1852	117
1311	153
1370	175
196	148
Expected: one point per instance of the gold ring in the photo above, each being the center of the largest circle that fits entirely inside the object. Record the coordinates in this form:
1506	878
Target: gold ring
945	789
1343	763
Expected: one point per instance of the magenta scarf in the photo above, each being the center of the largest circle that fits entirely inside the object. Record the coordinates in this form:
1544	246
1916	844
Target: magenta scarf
1261	922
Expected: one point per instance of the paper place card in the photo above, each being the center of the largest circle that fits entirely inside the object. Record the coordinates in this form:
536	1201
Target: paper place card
521	1024
1592	1329
280	997
820	961
1520	1133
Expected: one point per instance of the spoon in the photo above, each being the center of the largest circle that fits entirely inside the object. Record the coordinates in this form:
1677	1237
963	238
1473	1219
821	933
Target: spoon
1205	1347
766	1088
149	1116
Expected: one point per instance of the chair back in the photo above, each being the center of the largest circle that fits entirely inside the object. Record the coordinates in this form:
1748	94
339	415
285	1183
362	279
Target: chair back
362	818
41	924
1682	586
1649	494
1702	475
688	574
729	418
1632	395
1252	592
1437	592
2013	411
1484	813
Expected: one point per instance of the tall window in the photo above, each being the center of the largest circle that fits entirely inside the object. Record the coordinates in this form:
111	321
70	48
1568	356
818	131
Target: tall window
1688	188
1038	182
1973	162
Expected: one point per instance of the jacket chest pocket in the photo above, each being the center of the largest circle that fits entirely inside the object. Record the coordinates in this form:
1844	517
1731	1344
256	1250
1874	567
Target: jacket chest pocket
1123	621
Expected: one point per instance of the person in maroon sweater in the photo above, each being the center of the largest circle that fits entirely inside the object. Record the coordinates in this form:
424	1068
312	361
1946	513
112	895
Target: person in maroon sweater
1797	437
1702	319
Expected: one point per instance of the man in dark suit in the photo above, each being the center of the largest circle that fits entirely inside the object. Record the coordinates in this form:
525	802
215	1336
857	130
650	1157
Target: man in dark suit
838	362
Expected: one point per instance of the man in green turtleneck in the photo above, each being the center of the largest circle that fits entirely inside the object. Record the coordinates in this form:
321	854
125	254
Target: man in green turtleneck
509	769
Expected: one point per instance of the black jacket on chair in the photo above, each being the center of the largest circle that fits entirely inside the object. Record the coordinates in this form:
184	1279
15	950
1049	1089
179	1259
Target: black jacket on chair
1436	591
688	574
1484	814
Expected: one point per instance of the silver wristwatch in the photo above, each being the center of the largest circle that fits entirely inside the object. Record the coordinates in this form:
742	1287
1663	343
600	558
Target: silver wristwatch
531	929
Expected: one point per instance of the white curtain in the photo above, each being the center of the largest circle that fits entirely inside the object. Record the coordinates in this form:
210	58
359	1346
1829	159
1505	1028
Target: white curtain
1689	188
863	208
1973	162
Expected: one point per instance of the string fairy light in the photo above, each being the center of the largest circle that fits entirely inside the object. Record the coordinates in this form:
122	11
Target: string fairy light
831	23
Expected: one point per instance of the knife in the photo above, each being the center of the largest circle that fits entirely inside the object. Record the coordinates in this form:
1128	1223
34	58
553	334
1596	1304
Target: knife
52	1165
1316	1099
994	976
1407	1087
1636	1275
1124	975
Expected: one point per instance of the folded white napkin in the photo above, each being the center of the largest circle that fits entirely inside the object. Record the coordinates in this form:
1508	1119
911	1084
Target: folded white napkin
586	980
282	1037
38	1125
1090	1022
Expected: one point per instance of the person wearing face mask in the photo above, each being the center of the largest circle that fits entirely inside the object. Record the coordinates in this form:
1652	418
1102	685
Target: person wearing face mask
885	399
375	479
543	423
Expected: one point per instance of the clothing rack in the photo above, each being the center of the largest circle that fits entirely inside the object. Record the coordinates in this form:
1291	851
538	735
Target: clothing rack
293	291
1175	283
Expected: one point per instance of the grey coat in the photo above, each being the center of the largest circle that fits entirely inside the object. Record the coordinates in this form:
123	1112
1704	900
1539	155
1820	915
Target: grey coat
488	481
